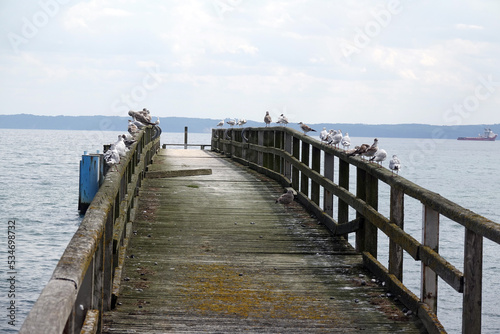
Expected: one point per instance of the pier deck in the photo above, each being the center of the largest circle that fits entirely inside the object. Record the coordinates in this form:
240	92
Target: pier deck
215	253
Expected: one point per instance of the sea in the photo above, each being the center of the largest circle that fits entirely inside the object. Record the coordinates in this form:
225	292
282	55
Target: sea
39	171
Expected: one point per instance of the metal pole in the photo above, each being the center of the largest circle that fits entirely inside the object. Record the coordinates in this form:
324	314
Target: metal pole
185	137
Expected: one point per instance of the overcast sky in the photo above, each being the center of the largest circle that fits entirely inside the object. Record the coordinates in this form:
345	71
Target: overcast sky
376	62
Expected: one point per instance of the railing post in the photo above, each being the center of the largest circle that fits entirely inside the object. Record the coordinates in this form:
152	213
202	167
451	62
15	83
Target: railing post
361	194
328	171
278	143
304	180
473	275
295	171
371	230
288	148
430	238
343	207
260	155
316	166
396	217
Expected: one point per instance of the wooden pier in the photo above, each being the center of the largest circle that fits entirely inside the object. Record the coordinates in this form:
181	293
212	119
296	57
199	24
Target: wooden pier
193	241
214	253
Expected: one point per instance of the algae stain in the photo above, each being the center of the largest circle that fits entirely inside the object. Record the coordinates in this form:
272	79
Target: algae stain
222	289
192	186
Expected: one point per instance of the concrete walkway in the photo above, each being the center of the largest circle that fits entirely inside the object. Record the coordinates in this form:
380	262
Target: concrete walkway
214	253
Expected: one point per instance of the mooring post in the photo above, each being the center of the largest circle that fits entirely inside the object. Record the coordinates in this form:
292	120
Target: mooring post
185	137
90	168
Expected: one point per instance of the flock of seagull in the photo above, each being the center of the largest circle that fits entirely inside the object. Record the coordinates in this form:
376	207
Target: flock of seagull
119	149
335	138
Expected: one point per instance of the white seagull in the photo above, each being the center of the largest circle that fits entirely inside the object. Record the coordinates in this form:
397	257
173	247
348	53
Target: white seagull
336	138
241	122
267	118
120	146
379	156
282	120
231	122
221	123
323	135
111	156
395	164
306	128
346	141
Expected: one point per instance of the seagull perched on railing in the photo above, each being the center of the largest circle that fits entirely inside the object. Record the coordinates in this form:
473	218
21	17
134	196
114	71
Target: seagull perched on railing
358	150
336	138
306	128
379	156
241	122
132	128
395	164
138	116
120	146
221	123
282	120
267	118
111	156
323	135
346	141
370	152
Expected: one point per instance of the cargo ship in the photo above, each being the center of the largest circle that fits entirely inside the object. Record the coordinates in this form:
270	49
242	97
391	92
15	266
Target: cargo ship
488	135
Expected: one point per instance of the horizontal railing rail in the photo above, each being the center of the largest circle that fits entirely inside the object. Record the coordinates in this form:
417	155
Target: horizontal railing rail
294	159
84	282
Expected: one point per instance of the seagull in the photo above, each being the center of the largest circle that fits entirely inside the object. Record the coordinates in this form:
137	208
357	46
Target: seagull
323	135
267	118
370	152
346	141
132	128
359	150
395	164
241	122
120	146
231	122
221	123
286	198
336	138
379	156
128	140
282	120
138	116
111	156
306	128
145	112
157	120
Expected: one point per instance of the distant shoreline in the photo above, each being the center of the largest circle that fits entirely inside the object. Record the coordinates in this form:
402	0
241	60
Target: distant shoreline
204	125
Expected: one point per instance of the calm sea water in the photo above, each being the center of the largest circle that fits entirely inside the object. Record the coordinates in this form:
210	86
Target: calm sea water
39	191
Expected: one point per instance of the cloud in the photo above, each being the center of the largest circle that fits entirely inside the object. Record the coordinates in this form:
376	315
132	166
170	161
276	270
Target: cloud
218	56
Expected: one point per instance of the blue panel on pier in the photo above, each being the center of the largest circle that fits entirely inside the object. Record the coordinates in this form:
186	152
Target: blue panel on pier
90	168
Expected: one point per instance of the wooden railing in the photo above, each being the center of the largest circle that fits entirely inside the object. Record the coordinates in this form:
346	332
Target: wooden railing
85	281
295	160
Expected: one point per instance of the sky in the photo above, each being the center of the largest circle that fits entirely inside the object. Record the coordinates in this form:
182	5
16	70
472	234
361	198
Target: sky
316	61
